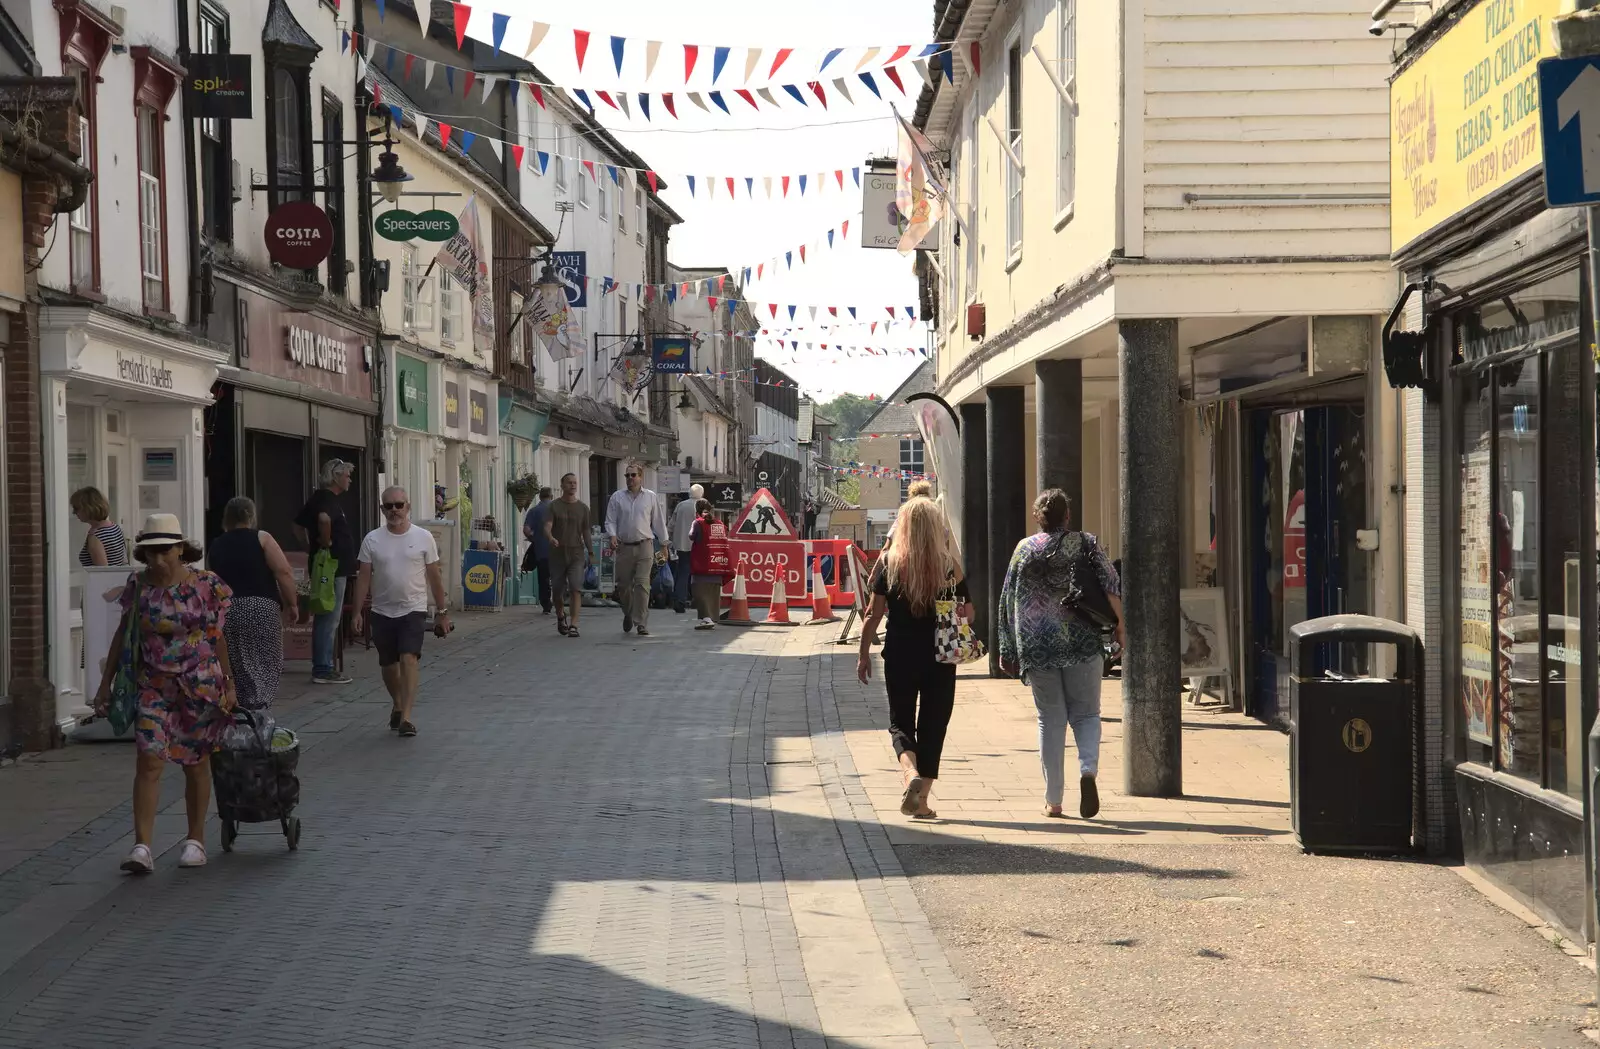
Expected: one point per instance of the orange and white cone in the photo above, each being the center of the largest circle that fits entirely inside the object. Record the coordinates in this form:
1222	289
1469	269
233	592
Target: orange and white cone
740	612
822	607
778	611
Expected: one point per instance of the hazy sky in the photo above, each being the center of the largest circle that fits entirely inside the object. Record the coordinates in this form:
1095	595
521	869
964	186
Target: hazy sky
790	140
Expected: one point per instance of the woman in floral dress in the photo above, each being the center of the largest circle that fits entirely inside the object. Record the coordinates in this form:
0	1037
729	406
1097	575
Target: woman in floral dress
184	681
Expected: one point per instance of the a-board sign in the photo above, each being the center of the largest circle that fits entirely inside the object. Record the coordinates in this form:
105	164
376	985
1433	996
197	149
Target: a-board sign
762	516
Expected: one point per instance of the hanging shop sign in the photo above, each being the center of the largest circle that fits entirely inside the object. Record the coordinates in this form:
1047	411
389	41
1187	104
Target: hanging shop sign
670	353
882	224
299	235
219	87
1464	117
572	270
724	495
402	225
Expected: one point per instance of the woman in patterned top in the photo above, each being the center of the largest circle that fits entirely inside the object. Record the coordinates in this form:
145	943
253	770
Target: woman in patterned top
1057	653
183	679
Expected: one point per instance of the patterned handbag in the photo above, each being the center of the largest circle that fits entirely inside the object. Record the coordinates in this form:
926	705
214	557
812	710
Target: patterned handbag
954	640
124	705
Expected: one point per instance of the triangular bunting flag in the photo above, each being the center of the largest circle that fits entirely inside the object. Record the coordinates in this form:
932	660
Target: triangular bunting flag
463	15
422	126
444	135
495	145
773	306
694	96
766	93
802	193
921	67
498	33
467	139
618	45
752	55
730	197
788	260
536	33
380	10
831	56
720	278
786	185
580	45
589	166
666	100
644	105
424	15
719	58
866	78
488	86
716	96
779	59
830	238
813	313
852	310
838	85
838	174
616	176
583	96
409	60
891	311
747	96
517	154
450	78
622	104
816	89
795	91
605	96
759	267
899	53
872	52
975	58
652	51
650	177
911	311
750	191
946	62
537	90
472	78
711	300
691	55
894	75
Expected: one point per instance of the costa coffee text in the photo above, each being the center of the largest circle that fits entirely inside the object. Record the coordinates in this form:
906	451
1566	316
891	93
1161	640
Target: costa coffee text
311	350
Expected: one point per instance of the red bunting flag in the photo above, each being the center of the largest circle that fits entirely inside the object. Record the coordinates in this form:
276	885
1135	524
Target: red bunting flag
786	185
839	175
516	155
891	311
747	96
691	55
773	306
845	229
816	89
650	177
802	253
538	94
463	15
759	267
730	194
409	60
899	53
589	164
580	43
606	98
833	311
976	69
720	278
472	78
444	135
377	94
666	100
711	300
778	60
894	75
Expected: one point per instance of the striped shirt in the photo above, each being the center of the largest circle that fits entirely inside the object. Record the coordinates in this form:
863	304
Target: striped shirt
111	537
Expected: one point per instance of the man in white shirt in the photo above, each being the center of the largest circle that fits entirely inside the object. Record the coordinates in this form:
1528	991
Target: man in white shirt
635	529
683	518
400	567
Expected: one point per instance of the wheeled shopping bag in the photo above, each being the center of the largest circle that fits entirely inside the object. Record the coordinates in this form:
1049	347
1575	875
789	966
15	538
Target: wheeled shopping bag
253	776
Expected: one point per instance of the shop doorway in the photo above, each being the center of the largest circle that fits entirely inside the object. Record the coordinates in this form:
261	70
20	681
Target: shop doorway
1308	470
602	483
277	482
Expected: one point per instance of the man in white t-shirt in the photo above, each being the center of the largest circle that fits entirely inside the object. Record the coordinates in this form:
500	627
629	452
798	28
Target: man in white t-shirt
400	567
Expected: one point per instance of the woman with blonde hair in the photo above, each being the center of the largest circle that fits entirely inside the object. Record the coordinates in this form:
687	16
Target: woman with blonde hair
921	566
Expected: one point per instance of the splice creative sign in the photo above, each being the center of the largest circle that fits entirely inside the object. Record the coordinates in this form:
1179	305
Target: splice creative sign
219	86
1464	117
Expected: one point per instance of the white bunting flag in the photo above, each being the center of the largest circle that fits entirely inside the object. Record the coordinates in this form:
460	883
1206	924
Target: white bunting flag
422	126
813	314
536	36
872	52
622	104
711	187
766	93
488	86
372	46
694	96
428	66
838	85
652	51
424	12
768	182
751	57
922	69
494	144
361	68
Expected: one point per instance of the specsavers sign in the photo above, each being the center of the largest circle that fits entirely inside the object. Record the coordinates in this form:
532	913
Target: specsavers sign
1464	117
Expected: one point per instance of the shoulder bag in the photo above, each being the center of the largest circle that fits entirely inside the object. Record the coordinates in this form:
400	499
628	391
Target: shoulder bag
124	705
954	640
1070	570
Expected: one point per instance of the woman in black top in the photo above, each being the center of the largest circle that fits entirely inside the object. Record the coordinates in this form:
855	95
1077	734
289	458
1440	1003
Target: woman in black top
264	598
920	566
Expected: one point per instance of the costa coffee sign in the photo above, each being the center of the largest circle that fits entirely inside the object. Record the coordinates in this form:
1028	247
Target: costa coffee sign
310	349
299	235
304	347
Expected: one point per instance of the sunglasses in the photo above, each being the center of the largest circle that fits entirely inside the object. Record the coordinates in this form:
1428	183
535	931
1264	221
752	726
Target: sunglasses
630	476
394	506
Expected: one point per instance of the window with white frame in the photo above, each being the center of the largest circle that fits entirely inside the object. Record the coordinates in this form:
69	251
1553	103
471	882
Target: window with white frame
151	246
452	328
1067	129
85	268
910	463
559	161
604	193
1013	132
580	173
638	226
416	291
971	178
622	206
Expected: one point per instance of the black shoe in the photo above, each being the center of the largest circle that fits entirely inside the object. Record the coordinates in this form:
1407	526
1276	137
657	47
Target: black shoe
1088	798
394	719
627	624
643	632
407	729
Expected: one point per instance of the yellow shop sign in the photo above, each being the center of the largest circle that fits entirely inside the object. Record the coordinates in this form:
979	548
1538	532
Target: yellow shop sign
1464	117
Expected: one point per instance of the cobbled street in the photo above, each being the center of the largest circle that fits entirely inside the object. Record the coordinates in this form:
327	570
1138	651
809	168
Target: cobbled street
690	840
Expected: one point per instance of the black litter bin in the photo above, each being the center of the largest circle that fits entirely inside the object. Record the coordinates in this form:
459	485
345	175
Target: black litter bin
1352	758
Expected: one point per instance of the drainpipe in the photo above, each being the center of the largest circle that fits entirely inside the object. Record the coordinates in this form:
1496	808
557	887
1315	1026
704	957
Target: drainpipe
369	292
191	205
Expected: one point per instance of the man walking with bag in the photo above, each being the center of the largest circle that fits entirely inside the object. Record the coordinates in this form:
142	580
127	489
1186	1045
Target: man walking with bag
323	527
684	516
635	529
537	559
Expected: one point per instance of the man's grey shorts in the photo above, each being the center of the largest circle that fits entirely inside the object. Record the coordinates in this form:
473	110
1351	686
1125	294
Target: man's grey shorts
565	575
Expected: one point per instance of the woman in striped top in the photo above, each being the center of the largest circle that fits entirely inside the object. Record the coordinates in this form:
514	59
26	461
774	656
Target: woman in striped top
105	544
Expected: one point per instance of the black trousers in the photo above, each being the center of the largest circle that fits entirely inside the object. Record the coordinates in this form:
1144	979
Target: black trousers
542	566
922	695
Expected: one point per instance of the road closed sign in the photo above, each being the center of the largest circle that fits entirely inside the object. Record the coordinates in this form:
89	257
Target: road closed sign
763	562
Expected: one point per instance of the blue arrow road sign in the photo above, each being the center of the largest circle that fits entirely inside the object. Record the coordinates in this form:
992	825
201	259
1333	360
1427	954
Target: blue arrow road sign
1569	115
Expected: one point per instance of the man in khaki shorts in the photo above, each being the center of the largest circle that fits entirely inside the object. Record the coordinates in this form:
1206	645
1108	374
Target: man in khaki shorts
567	528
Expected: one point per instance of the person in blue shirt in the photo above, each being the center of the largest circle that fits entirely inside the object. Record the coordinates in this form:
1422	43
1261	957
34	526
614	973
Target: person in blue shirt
537	559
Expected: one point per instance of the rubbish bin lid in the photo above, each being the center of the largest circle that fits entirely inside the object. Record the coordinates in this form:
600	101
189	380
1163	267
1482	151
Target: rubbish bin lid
1345	629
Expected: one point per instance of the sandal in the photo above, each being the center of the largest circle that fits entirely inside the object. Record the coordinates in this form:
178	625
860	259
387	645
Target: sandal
572	631
1054	813
407	729
913	798
928	815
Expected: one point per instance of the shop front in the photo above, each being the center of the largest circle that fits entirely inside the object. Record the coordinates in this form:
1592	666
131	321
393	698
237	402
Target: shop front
302	394
521	429
125	414
1496	344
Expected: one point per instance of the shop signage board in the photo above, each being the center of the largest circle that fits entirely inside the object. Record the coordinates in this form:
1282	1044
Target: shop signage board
480	578
1569	109
403	225
452	405
762	561
218	86
670	353
1464	117
411	392
572	267
763	516
881	221
140	370
298	235
292	343
478	412
725	496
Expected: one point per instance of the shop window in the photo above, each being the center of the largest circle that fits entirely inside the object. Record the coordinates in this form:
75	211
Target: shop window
1520	528
216	142
333	197
451	325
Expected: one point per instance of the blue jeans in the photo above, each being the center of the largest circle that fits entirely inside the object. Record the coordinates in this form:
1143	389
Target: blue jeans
680	579
324	627
1067	696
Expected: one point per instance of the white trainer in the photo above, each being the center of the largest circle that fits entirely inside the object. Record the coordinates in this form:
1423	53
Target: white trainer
139	861
193	854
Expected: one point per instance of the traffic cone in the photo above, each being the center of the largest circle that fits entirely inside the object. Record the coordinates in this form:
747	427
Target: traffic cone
740	612
822	608
778	611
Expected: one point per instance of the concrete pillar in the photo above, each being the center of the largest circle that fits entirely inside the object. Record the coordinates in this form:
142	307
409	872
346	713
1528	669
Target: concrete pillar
1058	397
1008	501
1147	374
975	518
